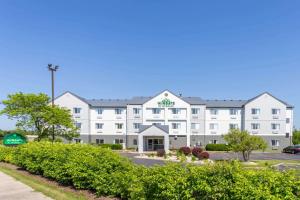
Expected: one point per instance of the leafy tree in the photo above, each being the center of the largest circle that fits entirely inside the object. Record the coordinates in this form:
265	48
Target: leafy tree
242	141
296	137
33	113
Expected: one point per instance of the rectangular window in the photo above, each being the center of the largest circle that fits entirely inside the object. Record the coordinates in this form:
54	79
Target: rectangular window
78	125
119	125
175	125
275	126
98	125
134	141
255	111
288	120
275	143
155	110
255	126
136	125
136	111
118	111
213	111
195	111
99	141
176	111
233	111
233	126
76	110
213	126
118	141
195	126
99	111
275	111
77	140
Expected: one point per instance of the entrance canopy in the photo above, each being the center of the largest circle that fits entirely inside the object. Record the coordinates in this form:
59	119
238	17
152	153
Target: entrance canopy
147	131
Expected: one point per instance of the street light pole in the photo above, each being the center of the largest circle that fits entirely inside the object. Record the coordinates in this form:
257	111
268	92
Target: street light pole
52	69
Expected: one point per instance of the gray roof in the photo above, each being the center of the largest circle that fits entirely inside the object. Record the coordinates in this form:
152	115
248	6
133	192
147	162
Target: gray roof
191	100
164	128
225	103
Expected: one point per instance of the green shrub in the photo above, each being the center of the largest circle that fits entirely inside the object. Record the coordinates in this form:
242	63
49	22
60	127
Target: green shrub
112	146
217	147
107	173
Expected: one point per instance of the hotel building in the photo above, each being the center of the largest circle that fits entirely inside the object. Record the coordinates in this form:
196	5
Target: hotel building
171	121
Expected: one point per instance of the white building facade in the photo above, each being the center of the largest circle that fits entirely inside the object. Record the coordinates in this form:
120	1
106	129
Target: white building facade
170	121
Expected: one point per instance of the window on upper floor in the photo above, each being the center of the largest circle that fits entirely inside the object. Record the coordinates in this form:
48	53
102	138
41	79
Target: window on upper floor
99	126
119	126
136	111
213	111
175	111
119	141
255	111
275	126
275	143
233	112
255	126
99	111
78	125
233	126
213	126
136	125
76	110
176	125
118	111
99	141
288	120
195	111
275	111
195	126
155	110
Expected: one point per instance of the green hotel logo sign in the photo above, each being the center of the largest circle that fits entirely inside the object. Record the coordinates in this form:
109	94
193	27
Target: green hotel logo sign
166	103
14	139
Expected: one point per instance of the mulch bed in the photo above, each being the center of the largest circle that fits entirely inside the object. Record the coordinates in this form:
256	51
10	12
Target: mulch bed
86	193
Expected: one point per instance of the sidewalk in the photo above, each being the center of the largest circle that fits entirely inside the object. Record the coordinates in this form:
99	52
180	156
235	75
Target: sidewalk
11	189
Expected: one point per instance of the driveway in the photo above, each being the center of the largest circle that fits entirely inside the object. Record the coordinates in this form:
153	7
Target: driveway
218	156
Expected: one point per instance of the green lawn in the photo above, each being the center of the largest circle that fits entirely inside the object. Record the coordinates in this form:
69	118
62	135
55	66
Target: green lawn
50	190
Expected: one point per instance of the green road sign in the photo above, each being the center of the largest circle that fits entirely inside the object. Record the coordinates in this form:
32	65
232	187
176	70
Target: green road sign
14	139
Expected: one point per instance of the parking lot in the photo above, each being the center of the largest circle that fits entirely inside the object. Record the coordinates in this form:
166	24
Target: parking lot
219	156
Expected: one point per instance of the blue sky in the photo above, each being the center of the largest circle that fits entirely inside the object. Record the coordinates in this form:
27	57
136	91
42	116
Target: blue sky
120	49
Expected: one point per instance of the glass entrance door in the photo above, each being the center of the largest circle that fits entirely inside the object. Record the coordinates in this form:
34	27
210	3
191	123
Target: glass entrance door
158	144
150	145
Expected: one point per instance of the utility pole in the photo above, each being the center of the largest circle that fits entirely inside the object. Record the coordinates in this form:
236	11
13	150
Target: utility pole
52	69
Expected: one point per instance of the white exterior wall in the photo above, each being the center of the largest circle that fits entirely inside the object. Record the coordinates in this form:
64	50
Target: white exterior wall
70	101
109	120
223	119
266	103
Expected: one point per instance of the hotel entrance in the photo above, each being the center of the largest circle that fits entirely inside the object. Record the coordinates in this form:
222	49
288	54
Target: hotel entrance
153	144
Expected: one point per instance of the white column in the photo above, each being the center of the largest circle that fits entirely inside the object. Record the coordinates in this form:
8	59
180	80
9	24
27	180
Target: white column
141	143
166	144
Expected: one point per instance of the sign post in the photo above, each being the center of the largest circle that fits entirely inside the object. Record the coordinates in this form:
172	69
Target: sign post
13	139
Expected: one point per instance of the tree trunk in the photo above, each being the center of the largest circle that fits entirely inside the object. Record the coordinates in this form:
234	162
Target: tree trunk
246	155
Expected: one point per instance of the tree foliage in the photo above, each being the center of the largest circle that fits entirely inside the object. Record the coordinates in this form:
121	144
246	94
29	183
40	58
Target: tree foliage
296	137
33	113
242	141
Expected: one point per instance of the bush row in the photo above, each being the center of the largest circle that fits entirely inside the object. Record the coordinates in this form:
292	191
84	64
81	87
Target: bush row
112	146
106	173
217	147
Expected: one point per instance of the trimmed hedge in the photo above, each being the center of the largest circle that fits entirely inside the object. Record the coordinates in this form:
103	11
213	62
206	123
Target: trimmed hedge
107	173
217	147
112	146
